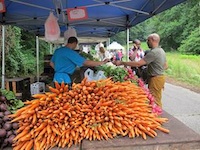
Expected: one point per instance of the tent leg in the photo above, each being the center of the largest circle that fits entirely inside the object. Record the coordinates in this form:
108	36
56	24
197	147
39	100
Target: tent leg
51	48
127	44
3	58
37	57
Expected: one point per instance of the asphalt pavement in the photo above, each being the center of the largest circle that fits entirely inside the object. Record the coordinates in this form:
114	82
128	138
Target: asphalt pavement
183	104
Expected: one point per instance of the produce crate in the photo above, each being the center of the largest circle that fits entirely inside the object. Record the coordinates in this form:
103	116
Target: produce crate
20	86
38	87
48	70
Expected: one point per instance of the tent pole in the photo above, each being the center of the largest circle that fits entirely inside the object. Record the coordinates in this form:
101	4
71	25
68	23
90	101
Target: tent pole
3	58
127	44
51	48
107	42
37	57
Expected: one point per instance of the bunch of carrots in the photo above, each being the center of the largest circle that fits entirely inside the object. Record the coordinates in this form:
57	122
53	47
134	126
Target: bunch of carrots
92	110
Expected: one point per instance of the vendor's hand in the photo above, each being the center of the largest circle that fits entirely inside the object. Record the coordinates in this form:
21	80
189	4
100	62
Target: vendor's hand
106	60
117	63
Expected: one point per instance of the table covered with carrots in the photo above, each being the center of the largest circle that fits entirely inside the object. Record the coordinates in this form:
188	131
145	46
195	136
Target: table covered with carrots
102	114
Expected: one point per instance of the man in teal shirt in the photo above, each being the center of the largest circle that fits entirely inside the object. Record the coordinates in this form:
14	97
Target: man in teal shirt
65	60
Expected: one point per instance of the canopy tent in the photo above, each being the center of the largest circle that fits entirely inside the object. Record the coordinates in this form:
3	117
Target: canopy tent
115	46
105	17
83	40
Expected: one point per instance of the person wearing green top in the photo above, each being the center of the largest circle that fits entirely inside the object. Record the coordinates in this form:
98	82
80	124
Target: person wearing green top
156	63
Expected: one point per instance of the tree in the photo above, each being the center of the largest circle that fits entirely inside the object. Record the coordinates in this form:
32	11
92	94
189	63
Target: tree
20	55
191	44
173	25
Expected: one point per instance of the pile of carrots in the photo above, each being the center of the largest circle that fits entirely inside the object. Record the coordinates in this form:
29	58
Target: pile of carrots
92	110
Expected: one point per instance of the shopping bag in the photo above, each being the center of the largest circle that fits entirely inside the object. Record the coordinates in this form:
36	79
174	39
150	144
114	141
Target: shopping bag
52	29
71	32
90	75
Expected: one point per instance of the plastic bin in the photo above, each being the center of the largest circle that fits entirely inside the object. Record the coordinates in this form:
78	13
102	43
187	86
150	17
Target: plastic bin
38	87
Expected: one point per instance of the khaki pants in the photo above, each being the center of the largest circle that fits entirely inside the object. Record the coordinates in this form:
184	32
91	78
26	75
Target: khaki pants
156	85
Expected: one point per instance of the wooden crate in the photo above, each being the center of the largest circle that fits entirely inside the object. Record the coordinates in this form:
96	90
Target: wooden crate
20	86
48	70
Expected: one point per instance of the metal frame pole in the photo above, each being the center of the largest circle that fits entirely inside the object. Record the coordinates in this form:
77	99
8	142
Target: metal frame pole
3	58
37	57
127	44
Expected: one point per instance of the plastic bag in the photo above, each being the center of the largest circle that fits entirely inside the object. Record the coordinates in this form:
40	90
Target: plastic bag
71	32
52	29
89	74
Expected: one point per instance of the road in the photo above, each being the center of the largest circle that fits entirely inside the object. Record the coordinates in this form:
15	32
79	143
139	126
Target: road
183	104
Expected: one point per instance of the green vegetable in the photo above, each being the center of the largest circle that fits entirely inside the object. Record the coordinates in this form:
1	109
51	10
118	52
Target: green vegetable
12	102
88	56
117	73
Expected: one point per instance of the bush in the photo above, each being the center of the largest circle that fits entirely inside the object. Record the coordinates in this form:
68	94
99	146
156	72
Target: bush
191	44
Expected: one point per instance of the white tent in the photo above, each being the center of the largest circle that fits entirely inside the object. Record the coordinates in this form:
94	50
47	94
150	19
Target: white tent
115	46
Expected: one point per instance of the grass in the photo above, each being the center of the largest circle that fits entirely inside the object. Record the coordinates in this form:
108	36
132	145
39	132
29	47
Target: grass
185	68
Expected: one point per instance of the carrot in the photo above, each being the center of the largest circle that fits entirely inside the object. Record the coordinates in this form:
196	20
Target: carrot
132	133
25	145
57	85
144	135
162	129
66	88
27	137
43	143
34	120
102	132
42	132
42	126
23	133
54	90
29	145
18	145
39	96
55	130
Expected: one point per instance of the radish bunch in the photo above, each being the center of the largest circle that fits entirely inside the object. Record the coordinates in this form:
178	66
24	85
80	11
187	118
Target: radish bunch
130	75
155	108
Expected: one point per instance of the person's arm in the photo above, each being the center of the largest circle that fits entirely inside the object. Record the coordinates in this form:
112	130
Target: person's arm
91	63
51	64
131	63
165	66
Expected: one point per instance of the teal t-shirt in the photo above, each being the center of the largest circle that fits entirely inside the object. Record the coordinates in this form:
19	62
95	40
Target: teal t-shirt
65	62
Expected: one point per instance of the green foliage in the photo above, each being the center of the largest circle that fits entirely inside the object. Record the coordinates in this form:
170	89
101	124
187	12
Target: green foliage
175	26
184	67
12	53
191	45
120	38
20	53
137	32
13	102
29	49
88	56
117	73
